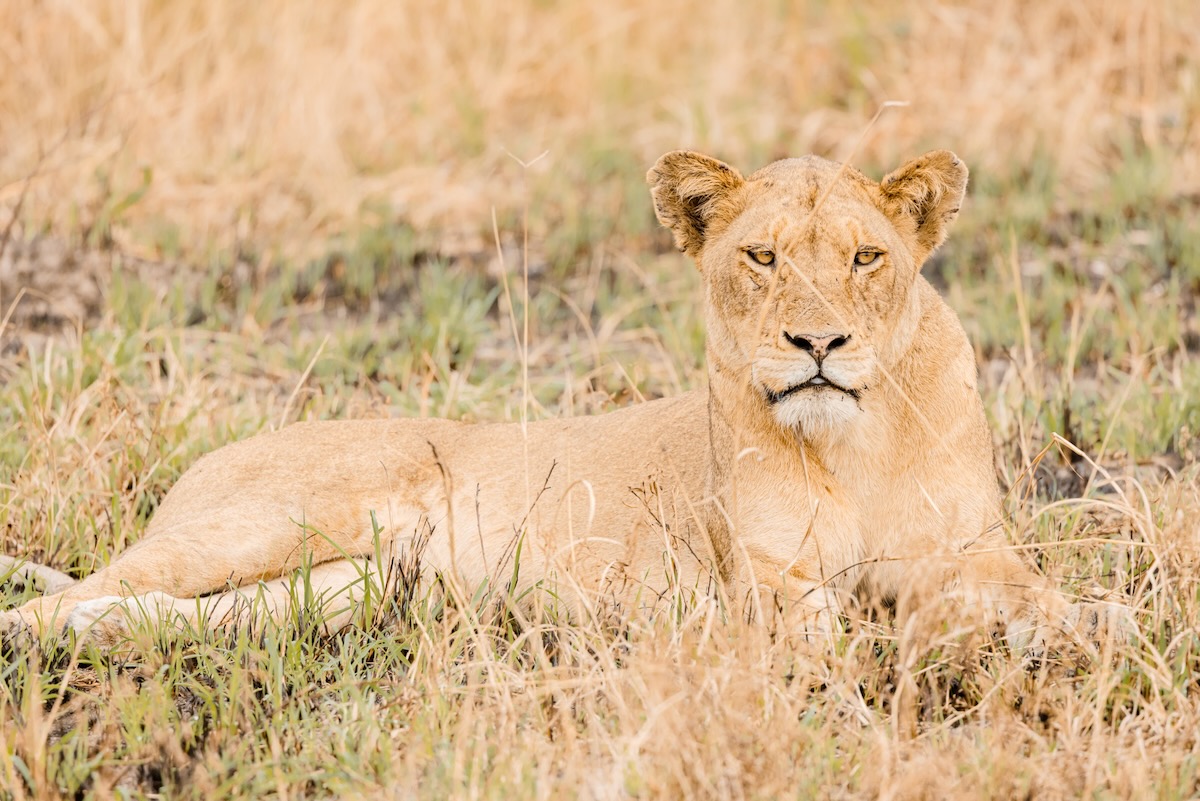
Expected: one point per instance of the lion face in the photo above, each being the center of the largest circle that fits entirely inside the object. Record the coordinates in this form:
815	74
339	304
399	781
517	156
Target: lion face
809	270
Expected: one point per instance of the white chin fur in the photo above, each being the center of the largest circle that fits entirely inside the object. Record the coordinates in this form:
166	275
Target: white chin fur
817	412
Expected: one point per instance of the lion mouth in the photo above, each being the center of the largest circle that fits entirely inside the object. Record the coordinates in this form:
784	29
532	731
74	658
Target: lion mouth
818	383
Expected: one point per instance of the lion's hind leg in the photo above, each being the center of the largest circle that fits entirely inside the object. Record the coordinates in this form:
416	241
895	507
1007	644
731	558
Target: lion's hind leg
183	560
334	591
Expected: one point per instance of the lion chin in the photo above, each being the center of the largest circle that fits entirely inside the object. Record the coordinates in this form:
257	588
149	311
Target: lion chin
817	411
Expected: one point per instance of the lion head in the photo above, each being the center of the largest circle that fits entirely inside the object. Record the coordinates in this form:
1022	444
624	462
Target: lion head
809	271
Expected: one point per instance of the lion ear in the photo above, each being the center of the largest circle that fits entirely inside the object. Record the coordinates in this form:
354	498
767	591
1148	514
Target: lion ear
693	196
923	197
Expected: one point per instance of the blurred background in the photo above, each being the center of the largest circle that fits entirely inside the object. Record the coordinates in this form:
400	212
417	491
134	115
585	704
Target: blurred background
280	124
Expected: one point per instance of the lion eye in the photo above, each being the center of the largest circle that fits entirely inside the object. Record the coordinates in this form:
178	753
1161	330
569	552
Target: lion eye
865	256
764	257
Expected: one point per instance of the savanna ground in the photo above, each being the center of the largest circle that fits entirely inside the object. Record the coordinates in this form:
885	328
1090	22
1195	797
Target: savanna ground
219	218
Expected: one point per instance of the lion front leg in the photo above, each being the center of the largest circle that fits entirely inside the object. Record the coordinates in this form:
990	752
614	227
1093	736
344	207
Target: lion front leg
795	576
798	595
990	584
1034	615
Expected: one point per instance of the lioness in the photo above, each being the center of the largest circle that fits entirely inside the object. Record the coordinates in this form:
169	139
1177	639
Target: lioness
840	449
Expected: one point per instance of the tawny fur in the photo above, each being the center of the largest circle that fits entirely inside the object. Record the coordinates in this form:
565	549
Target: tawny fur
770	498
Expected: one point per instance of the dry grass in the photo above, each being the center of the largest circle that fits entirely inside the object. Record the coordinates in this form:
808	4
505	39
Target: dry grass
277	121
228	189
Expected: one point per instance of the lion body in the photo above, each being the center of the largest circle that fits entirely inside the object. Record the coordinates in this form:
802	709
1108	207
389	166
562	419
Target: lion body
461	497
840	448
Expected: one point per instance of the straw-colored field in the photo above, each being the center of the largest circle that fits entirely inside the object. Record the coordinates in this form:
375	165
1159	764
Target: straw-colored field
217	218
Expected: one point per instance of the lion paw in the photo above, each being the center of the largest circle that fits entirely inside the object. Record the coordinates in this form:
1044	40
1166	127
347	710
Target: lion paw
101	621
107	622
1081	628
1096	623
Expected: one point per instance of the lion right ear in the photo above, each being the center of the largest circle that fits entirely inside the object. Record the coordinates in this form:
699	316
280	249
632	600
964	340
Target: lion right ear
923	197
693	196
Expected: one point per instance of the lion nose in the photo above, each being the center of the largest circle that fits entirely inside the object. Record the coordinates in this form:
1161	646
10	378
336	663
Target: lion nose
819	347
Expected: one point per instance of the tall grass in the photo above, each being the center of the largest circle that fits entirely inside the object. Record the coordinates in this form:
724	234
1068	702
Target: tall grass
286	212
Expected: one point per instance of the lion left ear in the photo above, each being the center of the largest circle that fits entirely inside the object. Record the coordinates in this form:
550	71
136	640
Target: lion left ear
923	197
693	196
